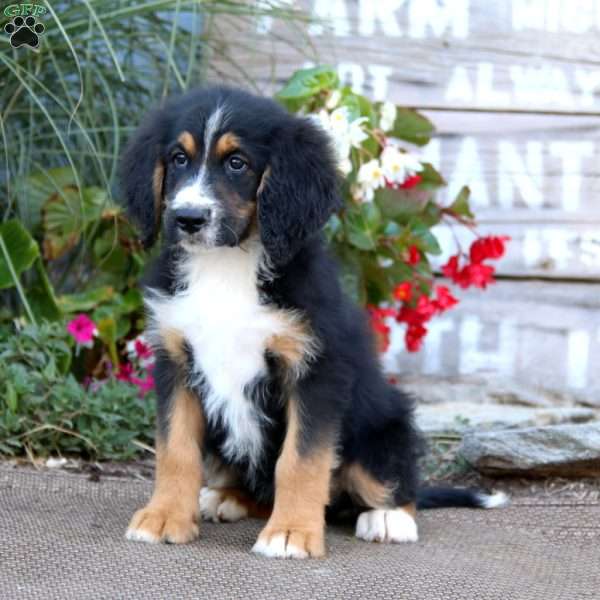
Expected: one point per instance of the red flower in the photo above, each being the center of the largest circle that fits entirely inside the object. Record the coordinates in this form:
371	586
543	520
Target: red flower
408	315
450	269
444	298
403	291
382	331
411	182
414	337
492	247
425	308
125	372
476	274
414	256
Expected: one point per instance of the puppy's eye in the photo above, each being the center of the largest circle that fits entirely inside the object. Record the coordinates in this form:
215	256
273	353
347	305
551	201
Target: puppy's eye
179	159
237	164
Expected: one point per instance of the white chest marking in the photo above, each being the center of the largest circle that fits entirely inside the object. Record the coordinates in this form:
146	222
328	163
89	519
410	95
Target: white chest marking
221	318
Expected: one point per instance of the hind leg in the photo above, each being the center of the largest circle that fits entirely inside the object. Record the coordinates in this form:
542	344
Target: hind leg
382	516
380	474
223	500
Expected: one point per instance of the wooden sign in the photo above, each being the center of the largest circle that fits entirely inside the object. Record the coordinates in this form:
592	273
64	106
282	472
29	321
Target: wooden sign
513	88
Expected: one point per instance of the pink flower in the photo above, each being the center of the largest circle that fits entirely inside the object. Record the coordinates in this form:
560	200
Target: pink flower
83	329
144	385
142	349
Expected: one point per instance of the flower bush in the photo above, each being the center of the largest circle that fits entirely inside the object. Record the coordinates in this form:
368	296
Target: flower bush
76	263
383	235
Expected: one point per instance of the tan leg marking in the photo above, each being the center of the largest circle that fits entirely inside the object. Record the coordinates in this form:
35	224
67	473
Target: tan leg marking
172	513
226	144
296	528
186	139
364	488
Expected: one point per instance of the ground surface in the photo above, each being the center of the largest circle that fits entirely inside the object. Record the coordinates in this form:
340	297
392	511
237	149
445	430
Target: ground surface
62	537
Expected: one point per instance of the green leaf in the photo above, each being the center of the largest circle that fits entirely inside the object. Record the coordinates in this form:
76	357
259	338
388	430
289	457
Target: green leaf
305	83
22	251
37	188
430	178
11	398
86	301
363	225
399	205
67	216
412	127
423	238
460	206
41	294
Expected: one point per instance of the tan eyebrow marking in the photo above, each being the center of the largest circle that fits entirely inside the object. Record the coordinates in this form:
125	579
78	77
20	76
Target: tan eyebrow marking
157	189
186	139
227	143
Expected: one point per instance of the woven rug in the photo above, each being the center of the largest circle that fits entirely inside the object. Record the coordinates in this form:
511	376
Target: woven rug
61	536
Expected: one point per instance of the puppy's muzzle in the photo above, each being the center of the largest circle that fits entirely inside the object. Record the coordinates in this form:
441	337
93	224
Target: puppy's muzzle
192	220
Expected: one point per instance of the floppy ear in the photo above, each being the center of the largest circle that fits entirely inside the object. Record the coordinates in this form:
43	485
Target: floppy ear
142	177
299	189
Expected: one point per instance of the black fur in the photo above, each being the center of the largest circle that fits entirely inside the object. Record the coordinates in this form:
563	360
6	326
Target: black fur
300	191
344	397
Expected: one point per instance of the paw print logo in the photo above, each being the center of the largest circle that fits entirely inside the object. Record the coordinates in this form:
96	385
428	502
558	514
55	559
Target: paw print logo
24	32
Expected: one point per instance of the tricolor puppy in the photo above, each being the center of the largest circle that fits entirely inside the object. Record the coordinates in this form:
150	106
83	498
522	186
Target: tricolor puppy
269	389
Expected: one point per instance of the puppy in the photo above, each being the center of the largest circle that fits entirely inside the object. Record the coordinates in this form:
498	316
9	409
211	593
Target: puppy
269	387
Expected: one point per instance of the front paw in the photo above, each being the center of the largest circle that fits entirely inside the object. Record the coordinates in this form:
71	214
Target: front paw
290	542
155	525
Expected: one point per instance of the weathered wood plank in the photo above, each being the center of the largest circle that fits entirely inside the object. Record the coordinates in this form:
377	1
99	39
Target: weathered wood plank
532	55
545	334
536	250
527	167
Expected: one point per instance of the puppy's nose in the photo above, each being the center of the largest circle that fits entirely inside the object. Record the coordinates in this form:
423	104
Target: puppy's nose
192	220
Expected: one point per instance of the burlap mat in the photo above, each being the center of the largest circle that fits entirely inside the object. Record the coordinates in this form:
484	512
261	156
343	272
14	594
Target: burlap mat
61	536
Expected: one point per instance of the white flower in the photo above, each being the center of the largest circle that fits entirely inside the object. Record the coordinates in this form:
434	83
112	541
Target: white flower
333	100
398	166
388	116
356	132
370	177
338	120
321	119
345	166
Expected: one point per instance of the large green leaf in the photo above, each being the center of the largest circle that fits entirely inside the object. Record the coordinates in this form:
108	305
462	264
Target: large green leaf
67	216
400	205
305	83
22	252
37	188
86	301
412	127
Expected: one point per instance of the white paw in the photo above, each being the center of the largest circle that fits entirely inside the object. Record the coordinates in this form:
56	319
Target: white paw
216	507
386	525
231	510
141	535
276	547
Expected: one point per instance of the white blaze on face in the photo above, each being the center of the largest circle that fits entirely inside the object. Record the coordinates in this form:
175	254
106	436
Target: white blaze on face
197	193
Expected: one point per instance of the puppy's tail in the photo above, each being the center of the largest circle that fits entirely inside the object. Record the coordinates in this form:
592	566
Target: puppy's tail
446	497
